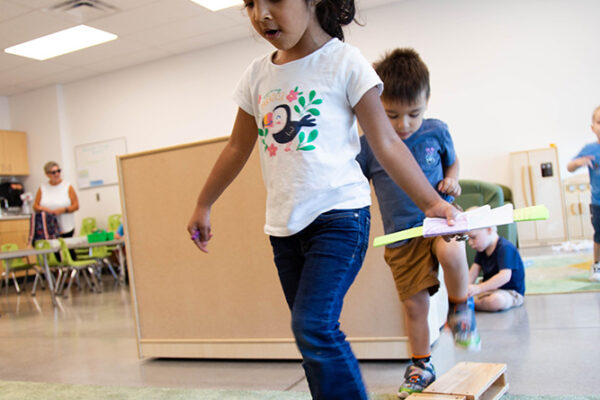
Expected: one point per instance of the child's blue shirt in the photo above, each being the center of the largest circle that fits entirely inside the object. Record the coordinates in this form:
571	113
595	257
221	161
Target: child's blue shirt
504	256
593	149
433	149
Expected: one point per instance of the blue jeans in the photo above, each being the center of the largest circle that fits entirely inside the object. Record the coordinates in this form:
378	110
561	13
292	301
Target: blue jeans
595	212
316	267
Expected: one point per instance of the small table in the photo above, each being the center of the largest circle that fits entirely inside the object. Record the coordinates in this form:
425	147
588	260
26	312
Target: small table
8	256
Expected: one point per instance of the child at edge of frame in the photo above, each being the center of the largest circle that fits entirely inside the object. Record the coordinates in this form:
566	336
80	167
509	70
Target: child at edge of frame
415	262
589	156
300	104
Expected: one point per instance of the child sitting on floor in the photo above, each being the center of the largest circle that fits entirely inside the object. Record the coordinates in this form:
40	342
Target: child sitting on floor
503	284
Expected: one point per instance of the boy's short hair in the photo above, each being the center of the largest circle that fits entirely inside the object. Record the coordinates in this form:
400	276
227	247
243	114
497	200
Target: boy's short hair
594	113
404	74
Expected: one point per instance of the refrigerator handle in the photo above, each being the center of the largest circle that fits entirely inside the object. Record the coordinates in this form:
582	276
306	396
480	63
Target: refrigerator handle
530	170
524	179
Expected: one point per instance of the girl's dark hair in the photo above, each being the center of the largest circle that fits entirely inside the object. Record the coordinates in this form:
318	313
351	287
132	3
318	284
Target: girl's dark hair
334	14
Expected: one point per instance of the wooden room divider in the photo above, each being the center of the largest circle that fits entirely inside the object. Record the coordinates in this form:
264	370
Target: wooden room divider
228	303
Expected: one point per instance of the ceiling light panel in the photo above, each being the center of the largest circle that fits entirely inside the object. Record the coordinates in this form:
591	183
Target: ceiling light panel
216	5
62	42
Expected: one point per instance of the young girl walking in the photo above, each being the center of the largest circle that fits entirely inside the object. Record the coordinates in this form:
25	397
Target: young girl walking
301	103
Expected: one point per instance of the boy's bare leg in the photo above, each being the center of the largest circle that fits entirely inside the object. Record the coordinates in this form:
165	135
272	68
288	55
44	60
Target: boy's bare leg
461	318
492	302
453	258
420	372
416	309
595	268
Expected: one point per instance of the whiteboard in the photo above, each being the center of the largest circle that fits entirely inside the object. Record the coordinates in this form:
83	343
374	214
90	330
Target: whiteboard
96	163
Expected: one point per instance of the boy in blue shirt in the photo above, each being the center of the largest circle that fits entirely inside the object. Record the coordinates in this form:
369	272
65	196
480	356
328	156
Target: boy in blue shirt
414	263
503	284
590	156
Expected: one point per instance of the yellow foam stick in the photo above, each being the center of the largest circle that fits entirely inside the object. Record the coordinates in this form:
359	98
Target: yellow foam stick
534	213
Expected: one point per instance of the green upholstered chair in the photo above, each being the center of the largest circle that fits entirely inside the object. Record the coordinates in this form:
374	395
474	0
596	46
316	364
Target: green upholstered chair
478	193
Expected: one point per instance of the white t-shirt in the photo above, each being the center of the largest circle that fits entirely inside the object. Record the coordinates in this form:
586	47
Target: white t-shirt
57	196
308	137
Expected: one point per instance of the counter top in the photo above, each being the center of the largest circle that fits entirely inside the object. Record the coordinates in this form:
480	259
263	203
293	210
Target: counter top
7	217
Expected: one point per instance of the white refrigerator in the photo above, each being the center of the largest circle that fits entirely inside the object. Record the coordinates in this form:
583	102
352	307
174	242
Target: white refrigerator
536	180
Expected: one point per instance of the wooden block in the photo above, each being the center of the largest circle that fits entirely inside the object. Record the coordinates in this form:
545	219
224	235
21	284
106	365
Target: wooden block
475	381
434	396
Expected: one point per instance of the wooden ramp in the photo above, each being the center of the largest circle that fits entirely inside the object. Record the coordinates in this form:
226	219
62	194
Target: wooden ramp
467	381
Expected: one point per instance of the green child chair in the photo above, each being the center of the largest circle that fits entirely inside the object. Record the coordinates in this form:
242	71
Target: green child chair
76	268
17	264
88	225
53	263
114	221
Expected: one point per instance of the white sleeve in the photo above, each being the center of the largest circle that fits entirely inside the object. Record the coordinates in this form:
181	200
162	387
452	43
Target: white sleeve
360	77
243	92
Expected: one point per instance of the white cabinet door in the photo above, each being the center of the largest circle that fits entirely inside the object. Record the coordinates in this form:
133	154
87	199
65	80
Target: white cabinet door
574	211
547	190
535	181
577	207
521	188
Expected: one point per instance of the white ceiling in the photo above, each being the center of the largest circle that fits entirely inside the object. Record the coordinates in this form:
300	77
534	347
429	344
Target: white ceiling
147	29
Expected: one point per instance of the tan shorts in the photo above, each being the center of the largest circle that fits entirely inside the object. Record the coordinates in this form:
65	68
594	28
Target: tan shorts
414	267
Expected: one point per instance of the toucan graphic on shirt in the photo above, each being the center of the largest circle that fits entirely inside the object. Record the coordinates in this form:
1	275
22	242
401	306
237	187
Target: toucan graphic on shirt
284	130
280	122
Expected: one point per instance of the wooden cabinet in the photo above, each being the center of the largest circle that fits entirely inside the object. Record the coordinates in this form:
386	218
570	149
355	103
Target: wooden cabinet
15	230
577	207
536	180
13	153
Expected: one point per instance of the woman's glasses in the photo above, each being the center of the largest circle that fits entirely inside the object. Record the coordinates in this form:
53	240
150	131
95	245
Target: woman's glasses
54	172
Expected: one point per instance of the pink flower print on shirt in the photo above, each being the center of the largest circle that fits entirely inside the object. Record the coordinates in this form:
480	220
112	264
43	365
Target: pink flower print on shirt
293	95
259	99
272	150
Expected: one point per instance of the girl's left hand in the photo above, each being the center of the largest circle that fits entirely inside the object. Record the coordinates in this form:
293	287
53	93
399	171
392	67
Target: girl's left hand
449	186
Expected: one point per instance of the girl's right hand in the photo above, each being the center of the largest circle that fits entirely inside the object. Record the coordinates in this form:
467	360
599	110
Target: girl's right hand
199	228
443	209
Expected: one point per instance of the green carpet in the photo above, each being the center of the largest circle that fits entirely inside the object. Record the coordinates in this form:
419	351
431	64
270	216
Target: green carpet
54	391
559	273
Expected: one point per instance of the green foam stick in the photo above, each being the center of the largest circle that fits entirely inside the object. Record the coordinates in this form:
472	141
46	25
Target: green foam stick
534	213
398	236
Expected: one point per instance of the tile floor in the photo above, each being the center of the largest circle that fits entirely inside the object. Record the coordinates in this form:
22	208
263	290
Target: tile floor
551	346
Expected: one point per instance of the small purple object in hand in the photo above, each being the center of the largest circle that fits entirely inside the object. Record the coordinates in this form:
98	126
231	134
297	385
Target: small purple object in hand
196	235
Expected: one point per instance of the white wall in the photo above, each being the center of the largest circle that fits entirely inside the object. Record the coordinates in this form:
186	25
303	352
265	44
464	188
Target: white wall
506	76
37	114
4	113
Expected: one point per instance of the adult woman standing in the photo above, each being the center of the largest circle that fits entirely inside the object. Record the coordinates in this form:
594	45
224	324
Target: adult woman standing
59	198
